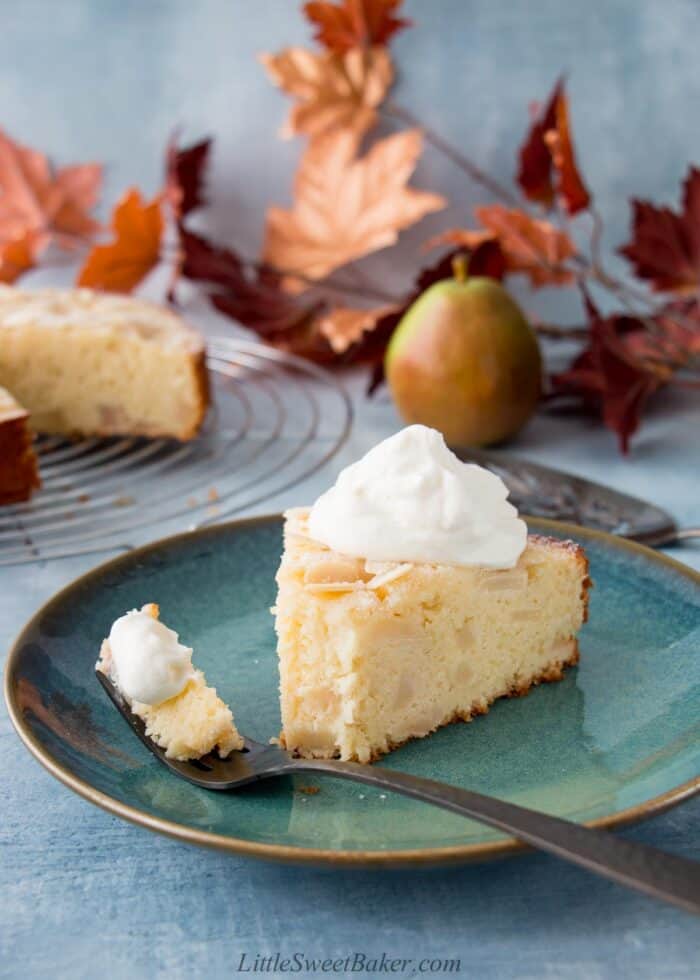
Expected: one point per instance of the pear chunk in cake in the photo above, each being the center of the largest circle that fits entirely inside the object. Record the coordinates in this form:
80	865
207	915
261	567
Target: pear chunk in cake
445	605
154	673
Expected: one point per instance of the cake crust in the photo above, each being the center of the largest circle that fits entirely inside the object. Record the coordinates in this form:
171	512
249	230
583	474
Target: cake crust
19	471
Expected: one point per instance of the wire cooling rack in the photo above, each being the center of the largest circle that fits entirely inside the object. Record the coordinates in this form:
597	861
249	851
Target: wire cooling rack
276	419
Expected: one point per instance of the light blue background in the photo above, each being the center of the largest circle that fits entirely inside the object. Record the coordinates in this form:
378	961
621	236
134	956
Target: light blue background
83	894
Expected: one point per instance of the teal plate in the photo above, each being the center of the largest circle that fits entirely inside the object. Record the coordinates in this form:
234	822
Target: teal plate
614	742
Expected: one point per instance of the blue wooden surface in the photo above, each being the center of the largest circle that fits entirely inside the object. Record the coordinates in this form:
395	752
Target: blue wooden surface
83	894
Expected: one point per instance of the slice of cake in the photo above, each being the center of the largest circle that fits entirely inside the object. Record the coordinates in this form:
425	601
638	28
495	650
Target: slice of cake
154	673
19	474
89	363
375	650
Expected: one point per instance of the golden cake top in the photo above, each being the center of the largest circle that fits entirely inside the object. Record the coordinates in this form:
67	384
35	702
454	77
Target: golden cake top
86	309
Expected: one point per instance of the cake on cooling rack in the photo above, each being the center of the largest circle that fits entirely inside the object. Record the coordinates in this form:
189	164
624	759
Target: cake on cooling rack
154	672
88	363
375	652
19	474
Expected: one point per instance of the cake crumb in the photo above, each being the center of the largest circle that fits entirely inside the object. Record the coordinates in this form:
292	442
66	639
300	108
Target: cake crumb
124	501
213	494
309	790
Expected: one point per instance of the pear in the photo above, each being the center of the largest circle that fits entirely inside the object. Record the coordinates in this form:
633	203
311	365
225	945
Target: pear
464	360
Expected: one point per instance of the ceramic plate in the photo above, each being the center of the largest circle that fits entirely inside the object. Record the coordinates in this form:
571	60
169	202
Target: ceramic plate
616	741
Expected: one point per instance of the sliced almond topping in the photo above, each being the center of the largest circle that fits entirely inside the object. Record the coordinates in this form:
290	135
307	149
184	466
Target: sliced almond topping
398	571
334	586
334	569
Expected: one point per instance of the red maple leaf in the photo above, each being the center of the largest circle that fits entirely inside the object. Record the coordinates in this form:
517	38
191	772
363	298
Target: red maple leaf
547	161
608	376
255	300
184	175
665	245
354	23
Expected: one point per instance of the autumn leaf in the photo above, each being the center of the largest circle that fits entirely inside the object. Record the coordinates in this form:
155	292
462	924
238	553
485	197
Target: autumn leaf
482	249
355	23
547	160
344	326
676	339
253	298
345	206
48	203
184	176
17	257
608	378
121	265
535	160
531	246
333	90
570	186
665	245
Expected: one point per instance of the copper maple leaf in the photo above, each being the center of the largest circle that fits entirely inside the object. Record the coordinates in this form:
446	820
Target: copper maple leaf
529	245
121	265
333	90
44	202
346	206
343	326
665	245
547	158
355	23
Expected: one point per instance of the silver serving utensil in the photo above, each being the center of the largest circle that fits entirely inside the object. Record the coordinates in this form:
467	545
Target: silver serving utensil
646	869
545	492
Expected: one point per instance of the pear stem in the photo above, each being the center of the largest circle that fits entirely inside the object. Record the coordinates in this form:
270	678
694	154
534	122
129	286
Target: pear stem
460	267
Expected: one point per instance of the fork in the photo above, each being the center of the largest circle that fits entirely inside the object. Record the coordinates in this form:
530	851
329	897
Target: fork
649	870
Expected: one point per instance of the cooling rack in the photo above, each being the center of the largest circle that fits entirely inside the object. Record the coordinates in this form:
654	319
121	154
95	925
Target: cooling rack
276	419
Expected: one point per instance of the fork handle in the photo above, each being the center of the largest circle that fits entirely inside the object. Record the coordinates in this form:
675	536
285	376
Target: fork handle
647	869
664	539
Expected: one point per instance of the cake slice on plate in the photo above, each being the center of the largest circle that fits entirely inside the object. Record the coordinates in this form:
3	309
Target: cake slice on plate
88	363
154	673
19	473
375	649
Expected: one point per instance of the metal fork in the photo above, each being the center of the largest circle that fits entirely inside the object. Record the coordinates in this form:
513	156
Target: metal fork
665	876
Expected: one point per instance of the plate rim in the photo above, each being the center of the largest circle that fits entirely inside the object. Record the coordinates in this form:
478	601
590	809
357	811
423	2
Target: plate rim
296	854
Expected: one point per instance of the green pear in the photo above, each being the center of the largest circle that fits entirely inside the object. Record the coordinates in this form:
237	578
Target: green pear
464	360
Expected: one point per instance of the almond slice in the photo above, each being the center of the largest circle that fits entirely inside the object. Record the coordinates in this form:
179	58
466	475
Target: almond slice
389	576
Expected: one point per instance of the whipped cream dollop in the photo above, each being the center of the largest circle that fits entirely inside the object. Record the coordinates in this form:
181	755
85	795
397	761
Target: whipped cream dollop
149	664
411	499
